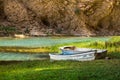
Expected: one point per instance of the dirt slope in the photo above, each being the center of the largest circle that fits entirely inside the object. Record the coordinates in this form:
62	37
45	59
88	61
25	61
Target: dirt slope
78	17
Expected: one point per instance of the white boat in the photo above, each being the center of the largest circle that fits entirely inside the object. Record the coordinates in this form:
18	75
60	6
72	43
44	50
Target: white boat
88	56
79	54
67	50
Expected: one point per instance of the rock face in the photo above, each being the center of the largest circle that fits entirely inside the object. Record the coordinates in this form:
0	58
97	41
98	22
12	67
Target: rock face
76	17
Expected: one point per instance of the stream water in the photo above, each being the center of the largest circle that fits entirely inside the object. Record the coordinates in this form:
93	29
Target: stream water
43	41
5	56
37	42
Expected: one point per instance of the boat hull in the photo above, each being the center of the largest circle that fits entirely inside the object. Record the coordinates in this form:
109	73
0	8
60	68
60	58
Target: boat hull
78	57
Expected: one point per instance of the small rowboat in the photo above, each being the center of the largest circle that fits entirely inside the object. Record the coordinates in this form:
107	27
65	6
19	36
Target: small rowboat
79	54
68	50
88	56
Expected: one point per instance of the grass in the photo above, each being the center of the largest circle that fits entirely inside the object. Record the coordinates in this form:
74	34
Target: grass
101	69
61	70
25	49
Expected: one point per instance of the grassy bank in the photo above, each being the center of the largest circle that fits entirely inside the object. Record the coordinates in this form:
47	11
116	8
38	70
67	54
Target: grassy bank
101	69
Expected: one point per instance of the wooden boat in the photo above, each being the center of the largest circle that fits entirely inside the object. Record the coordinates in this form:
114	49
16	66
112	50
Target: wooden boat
68	50
88	56
100	54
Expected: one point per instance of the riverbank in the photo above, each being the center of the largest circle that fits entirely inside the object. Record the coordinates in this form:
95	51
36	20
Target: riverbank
101	69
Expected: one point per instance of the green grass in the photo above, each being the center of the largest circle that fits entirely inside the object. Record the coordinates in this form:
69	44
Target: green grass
61	70
101	69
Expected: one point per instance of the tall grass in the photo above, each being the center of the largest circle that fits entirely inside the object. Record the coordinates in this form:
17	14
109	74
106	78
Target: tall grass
112	45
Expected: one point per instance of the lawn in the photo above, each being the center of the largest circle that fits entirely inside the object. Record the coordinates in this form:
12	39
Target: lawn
101	69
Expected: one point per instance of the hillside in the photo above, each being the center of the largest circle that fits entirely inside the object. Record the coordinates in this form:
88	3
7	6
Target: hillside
76	17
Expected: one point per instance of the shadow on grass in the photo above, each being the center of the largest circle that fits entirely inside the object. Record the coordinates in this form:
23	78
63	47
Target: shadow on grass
64	74
114	55
9	62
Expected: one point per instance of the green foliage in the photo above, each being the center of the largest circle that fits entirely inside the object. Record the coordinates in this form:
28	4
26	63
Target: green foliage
7	29
77	11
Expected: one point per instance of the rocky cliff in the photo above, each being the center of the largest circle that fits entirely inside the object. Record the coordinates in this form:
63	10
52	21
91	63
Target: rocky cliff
78	17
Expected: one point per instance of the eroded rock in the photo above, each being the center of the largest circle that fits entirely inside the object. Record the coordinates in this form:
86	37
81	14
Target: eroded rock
84	17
